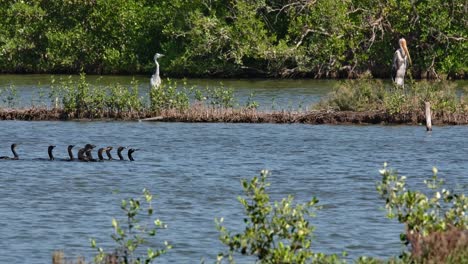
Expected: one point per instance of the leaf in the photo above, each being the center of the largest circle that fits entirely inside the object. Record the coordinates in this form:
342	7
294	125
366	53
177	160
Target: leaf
115	223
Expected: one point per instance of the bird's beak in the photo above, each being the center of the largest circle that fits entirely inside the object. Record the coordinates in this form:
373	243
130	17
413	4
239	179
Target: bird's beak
406	51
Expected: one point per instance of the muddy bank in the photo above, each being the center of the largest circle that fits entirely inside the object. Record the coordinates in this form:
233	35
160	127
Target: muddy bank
213	115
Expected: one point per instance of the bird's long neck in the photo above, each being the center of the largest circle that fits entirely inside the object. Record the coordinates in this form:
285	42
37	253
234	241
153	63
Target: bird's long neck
14	153
130	155
157	67
100	154
109	156
70	153
403	52
119	153
51	155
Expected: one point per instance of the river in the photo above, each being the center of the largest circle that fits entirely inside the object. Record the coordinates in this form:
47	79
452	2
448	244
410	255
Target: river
194	171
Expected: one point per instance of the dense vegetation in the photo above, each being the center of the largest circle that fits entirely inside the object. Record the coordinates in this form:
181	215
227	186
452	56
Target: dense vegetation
373	95
281	38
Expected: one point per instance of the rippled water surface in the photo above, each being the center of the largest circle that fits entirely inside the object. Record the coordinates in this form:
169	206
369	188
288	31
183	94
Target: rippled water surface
195	171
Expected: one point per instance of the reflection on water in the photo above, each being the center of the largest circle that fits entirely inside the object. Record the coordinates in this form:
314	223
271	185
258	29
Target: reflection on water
194	170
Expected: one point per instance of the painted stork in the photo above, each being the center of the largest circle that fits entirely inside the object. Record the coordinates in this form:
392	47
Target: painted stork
400	63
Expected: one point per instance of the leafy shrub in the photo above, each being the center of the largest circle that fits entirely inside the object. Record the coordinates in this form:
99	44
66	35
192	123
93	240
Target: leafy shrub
373	95
132	233
433	222
278	232
167	96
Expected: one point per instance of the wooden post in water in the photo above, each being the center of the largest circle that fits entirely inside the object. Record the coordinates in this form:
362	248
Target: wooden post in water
428	116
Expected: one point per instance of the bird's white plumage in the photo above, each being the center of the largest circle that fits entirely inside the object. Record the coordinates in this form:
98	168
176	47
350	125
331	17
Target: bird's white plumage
400	63
155	79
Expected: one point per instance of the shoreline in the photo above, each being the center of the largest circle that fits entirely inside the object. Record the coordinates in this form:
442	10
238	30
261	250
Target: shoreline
200	114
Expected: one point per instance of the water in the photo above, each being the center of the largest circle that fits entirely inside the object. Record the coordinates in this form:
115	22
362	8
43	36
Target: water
194	170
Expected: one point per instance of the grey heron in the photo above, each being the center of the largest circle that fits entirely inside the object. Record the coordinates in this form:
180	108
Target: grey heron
400	63
155	79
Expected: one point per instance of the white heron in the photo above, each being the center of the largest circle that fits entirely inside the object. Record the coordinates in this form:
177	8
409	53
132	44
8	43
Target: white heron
155	79
400	63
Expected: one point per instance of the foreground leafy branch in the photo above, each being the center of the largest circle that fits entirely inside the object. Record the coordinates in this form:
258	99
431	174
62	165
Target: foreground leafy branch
277	232
436	223
132	233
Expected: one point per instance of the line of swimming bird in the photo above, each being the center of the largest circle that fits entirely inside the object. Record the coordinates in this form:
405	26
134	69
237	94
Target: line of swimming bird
84	154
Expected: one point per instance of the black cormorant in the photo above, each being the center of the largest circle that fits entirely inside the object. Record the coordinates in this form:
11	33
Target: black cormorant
70	153
108	150
15	155
49	151
119	152
84	154
100	151
89	155
130	152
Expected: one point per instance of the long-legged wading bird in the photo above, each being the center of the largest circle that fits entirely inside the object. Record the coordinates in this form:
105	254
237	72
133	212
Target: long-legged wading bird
119	152
15	155
155	79
130	152
49	151
400	63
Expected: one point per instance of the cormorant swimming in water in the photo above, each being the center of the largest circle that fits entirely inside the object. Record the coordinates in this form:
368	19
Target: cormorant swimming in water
100	151
70	153
89	155
119	152
15	155
108	150
49	151
130	152
84	154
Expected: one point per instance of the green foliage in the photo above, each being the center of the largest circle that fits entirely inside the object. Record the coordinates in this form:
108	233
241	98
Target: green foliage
422	213
324	38
167	96
134	232
373	95
355	95
220	96
9	96
276	232
251	103
80	99
433	220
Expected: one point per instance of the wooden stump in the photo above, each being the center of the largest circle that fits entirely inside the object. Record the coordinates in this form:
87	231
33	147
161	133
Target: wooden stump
428	116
